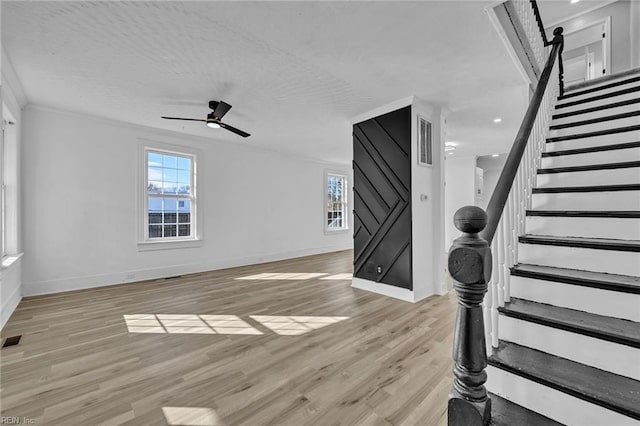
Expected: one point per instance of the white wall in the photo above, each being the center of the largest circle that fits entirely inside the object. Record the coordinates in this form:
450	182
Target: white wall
81	214
459	191
427	215
634	12
11	274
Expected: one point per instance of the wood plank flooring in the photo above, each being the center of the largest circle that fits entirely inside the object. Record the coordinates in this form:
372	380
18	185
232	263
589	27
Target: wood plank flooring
269	344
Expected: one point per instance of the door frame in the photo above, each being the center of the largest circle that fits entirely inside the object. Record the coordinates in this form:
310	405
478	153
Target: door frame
606	44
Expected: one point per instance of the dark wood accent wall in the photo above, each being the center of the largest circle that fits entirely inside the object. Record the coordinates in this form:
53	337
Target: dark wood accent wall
382	199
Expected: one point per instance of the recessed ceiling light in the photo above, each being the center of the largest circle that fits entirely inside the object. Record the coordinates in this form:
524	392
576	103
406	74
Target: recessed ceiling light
497	120
574	1
452	143
451	153
449	148
495	155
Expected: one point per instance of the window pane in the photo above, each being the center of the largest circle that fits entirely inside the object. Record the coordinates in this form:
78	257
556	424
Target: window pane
169	188
170	161
169	230
154	159
155	231
184	230
184	188
184	163
336	203
169	175
184	217
184	176
154	173
154	187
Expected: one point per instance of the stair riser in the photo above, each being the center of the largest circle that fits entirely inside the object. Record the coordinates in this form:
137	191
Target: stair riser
585	259
591	227
594	127
595	114
552	403
602	354
593	141
588	299
614	200
619	98
590	177
600	92
600	157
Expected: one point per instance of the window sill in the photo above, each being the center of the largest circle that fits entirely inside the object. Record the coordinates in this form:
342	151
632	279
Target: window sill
9	260
168	245
336	231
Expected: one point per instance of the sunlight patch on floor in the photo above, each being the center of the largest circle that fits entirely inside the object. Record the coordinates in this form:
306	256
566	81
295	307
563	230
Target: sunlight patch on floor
191	416
295	325
283	276
188	324
345	276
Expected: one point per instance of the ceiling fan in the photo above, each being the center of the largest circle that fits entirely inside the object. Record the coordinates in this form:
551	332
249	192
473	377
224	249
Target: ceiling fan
213	118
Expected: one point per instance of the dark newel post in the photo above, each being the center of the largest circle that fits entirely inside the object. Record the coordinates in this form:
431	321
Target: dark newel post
470	267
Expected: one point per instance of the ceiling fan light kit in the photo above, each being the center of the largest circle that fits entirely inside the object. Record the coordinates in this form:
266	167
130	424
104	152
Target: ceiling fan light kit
220	108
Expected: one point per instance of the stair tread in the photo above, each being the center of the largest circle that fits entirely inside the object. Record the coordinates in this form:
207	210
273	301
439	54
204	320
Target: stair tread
588	167
596	243
609	390
588	188
613	147
507	413
594	133
580	92
596	120
624	332
616	282
630	214
596	108
599	97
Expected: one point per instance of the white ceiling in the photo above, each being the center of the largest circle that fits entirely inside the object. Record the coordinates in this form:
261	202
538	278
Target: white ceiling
296	73
553	12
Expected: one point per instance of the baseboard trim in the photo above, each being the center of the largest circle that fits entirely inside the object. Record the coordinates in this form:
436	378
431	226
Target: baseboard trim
385	290
131	276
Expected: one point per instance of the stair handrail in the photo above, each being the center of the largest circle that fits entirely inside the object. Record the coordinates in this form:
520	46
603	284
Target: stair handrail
471	262
505	181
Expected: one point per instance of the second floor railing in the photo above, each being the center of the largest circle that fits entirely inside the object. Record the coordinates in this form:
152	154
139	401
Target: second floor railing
479	261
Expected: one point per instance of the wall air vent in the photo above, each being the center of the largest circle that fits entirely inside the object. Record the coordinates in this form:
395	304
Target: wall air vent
425	147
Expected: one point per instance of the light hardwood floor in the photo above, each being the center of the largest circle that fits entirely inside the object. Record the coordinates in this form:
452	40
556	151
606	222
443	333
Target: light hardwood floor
241	346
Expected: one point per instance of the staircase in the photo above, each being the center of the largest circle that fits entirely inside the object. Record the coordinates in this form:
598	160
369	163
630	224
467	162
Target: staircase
569	347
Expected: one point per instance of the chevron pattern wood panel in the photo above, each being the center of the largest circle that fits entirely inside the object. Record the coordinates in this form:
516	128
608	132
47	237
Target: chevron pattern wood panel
382	198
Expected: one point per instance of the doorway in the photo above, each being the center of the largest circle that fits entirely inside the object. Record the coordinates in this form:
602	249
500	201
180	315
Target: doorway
587	52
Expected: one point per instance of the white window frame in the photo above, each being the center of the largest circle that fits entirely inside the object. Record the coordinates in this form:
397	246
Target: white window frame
3	194
345	202
195	239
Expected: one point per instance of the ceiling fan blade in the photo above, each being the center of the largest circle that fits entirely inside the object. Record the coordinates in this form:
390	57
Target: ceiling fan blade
185	119
221	109
234	130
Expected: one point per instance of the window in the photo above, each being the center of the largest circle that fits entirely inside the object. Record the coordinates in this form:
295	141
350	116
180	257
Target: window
425	151
3	193
336	202
169	207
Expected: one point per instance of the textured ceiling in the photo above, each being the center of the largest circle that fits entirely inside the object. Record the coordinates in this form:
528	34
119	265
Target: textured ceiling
296	73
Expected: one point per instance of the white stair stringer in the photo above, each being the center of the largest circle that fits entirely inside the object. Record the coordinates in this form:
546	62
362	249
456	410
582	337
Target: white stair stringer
598	301
552	403
602	354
